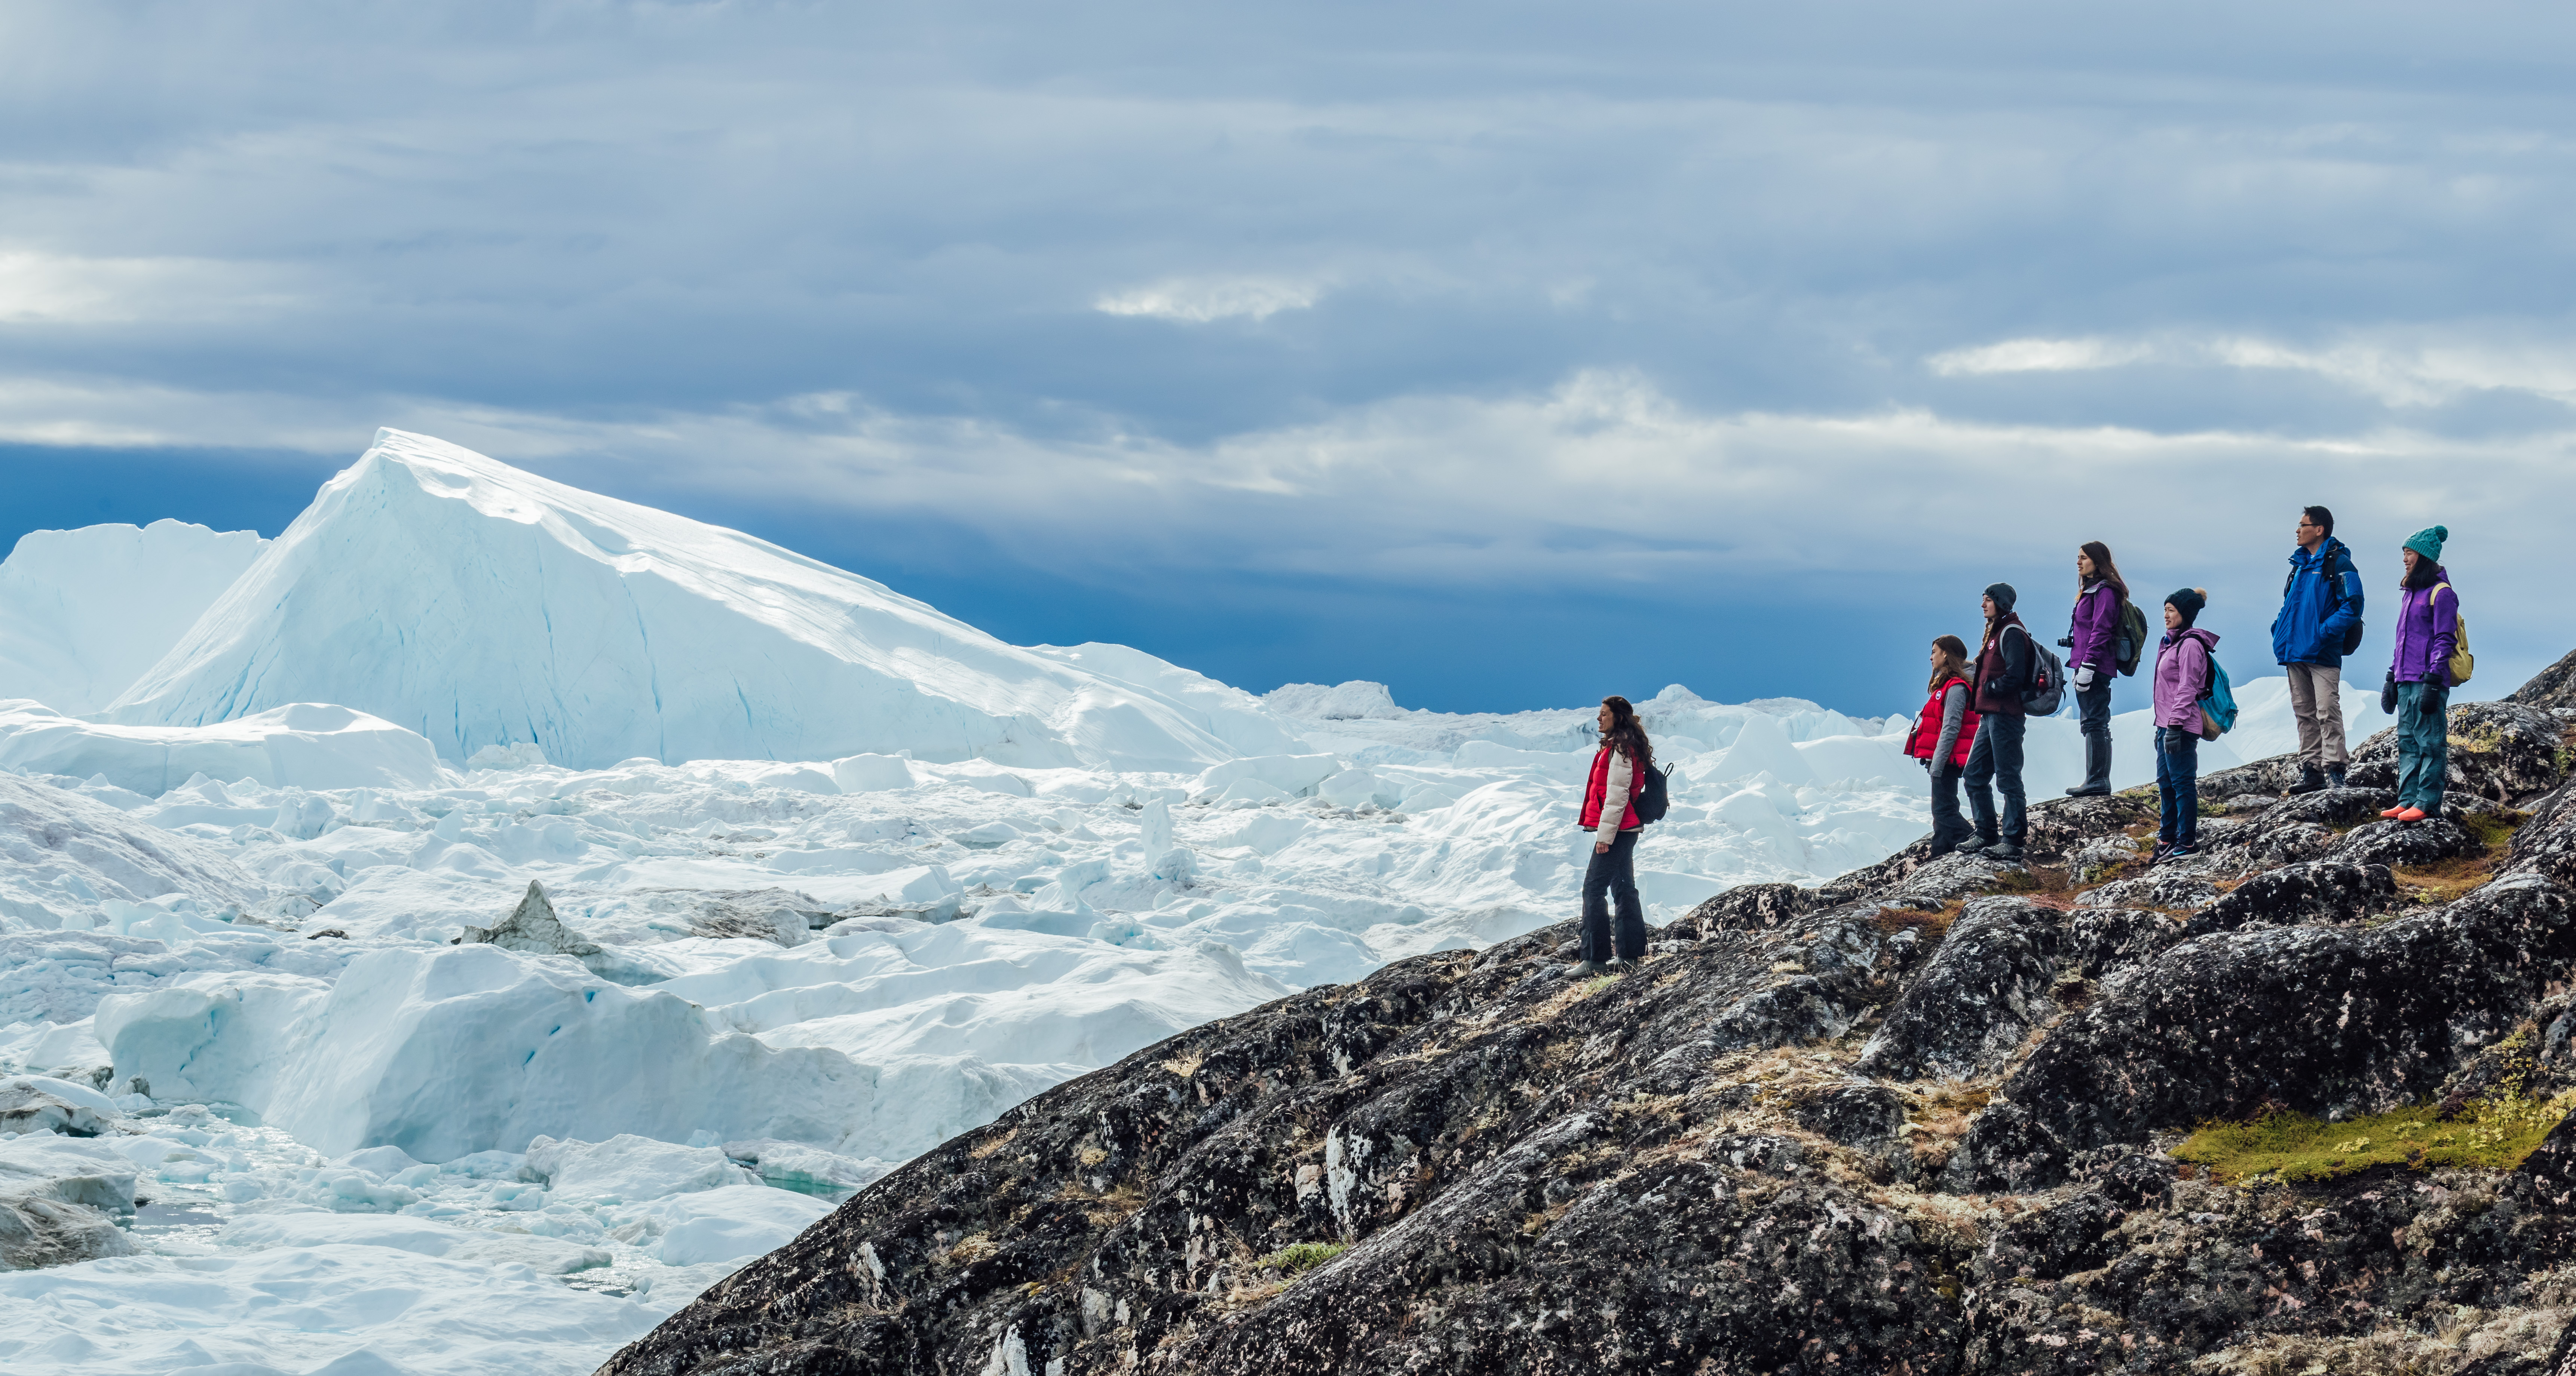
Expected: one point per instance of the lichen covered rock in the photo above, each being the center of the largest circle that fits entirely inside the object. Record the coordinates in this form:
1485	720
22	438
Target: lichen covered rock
1974	1004
2326	1020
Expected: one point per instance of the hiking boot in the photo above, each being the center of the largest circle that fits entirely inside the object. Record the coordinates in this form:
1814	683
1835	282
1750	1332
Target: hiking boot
2311	780
1620	965
1585	969
2412	814
2392	811
2007	851
1971	846
2334	777
2089	791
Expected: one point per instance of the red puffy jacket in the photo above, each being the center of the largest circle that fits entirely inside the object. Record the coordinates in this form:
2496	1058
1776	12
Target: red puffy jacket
1927	728
1598	789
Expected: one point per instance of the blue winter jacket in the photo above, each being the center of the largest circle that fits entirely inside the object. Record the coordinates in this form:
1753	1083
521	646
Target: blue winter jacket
2318	606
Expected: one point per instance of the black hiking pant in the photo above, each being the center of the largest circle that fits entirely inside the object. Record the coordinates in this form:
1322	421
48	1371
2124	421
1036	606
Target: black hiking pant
1949	828
1994	766
1613	875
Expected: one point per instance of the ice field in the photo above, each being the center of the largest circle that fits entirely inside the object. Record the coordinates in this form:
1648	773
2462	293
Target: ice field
832	877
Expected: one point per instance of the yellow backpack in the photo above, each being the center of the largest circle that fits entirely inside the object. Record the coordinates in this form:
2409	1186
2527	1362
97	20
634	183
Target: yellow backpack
2462	662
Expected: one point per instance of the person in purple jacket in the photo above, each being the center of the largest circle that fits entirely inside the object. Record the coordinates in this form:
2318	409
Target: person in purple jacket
2182	676
2428	629
2093	659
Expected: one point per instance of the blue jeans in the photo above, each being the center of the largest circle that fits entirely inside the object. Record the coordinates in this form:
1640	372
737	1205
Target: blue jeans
2423	745
2178	785
1612	875
1996	759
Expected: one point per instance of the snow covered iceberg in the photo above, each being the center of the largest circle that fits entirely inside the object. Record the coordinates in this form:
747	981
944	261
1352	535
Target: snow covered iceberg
481	605
302	745
84	612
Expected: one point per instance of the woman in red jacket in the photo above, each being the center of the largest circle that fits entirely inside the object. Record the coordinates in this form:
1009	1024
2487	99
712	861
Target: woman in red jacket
1943	732
1618	771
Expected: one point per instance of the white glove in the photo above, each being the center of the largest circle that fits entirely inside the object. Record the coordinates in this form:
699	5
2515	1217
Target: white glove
2084	678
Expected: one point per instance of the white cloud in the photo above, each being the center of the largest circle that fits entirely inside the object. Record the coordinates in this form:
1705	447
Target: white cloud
1601	480
2036	356
63	289
2397	372
1199	300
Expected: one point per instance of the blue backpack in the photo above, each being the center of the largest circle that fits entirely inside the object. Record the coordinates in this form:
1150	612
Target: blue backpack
2218	703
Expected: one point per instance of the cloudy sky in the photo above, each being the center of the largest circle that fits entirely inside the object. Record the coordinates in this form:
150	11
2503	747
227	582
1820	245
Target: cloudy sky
1508	354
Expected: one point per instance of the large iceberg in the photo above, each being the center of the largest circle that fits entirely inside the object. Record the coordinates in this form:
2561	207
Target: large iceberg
481	605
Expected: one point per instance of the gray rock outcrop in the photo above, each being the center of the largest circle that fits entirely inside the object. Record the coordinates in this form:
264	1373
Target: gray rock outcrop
59	1199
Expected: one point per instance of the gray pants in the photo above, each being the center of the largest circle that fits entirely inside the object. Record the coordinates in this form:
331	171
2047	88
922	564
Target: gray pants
2316	699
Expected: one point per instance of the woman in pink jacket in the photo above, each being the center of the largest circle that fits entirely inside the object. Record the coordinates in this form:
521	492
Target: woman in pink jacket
2182	678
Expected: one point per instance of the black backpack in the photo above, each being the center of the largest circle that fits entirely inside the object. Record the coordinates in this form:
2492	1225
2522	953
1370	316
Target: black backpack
1653	799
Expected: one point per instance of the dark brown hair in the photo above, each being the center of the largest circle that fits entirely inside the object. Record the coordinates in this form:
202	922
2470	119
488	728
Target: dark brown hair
2427	572
1954	661
2103	568
1627	733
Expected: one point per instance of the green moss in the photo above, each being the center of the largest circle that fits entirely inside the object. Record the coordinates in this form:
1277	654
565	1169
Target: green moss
2494	1134
2494	830
1299	1257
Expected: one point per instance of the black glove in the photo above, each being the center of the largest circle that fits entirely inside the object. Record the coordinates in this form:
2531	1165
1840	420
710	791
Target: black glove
2388	694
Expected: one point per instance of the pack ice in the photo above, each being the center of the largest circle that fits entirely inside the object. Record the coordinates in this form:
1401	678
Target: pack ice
505	911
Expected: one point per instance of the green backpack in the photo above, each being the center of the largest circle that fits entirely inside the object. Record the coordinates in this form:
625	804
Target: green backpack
2133	636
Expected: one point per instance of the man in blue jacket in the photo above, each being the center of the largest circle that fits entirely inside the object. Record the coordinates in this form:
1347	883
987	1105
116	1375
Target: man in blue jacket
2320	622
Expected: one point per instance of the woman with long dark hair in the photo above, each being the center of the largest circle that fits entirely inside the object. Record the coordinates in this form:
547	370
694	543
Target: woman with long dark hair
1618	772
1943	732
2093	658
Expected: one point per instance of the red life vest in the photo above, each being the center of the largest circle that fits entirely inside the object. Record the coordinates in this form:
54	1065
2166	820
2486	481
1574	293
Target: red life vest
1927	728
1597	790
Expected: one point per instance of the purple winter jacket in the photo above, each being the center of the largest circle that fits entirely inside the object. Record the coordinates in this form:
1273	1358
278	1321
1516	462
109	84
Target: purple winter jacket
2097	629
2182	676
2428	629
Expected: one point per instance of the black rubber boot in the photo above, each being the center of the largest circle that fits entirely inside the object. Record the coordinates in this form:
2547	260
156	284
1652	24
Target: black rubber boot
2334	777
2311	780
2097	769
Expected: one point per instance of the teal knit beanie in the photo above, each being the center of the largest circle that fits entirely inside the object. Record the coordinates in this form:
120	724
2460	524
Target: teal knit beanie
2428	542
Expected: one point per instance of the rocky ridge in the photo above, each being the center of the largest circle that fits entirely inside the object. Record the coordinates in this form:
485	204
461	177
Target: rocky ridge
1918	1119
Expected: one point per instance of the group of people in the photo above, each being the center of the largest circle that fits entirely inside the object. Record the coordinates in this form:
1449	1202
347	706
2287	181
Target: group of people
1971	728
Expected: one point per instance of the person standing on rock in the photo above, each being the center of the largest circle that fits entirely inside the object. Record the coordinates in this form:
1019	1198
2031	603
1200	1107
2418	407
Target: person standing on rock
1942	735
1994	763
2182	679
2320	618
2093	651
2428	629
1618	771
